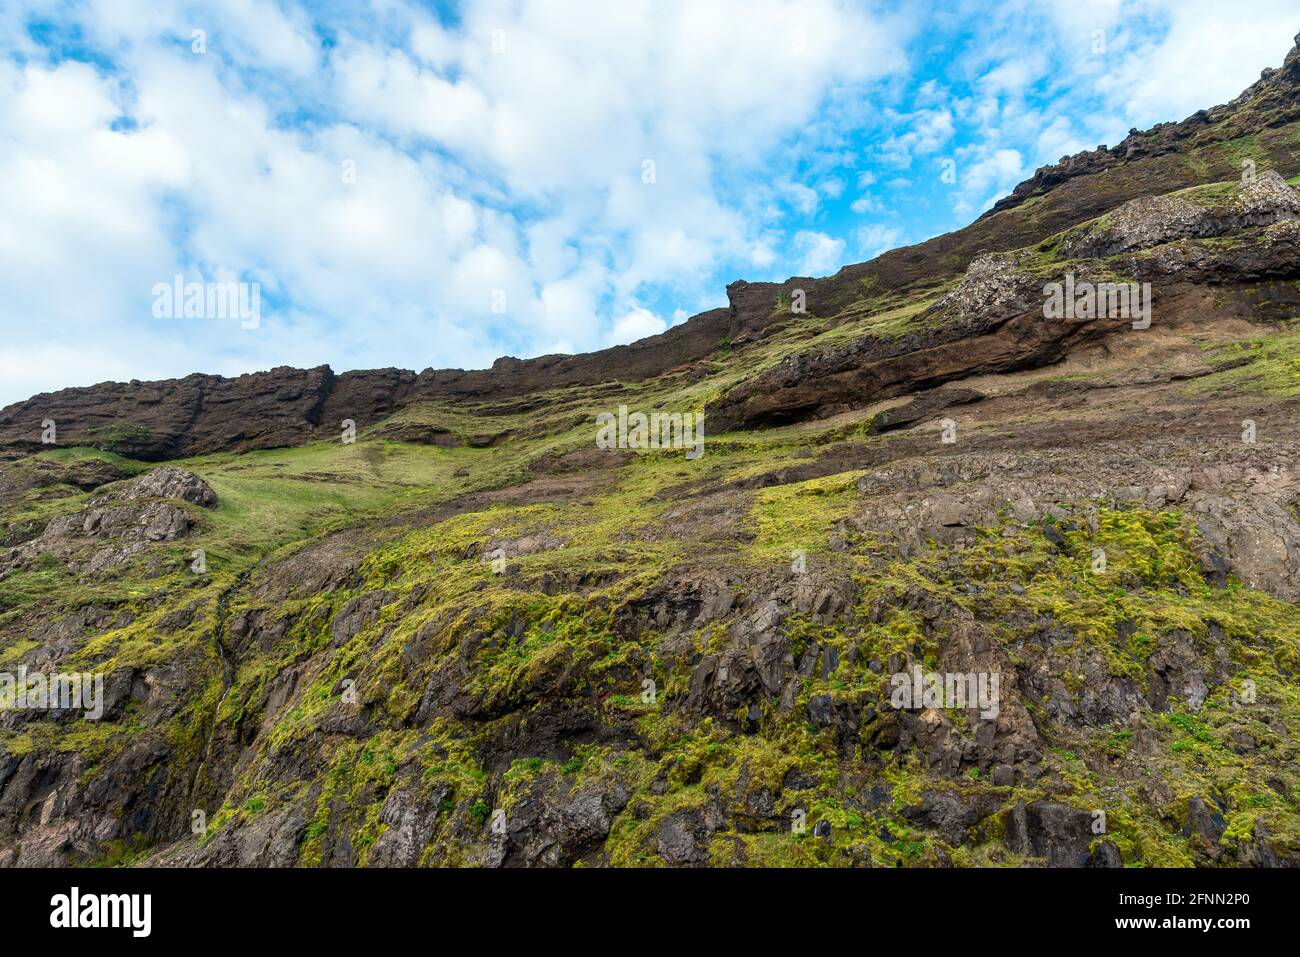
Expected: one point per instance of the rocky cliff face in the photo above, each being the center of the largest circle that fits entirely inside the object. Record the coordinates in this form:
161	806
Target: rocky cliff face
993	321
1269	104
199	414
961	577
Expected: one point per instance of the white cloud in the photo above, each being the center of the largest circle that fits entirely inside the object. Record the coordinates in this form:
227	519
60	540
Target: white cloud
875	239
762	255
926	131
982	182
819	254
1012	76
636	324
1058	140
802	198
521	171
832	187
476	171
1209	53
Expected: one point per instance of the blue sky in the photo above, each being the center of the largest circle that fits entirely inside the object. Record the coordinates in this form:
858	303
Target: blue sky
530	177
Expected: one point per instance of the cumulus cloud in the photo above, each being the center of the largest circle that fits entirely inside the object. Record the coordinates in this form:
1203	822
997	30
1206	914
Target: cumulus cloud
989	177
415	191
927	131
874	239
1207	54
636	324
524	176
819	254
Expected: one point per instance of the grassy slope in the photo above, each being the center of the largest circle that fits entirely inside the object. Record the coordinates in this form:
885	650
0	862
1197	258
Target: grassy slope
1151	581
273	502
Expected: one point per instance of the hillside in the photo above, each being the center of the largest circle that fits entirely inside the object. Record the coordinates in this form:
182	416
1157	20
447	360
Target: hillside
474	636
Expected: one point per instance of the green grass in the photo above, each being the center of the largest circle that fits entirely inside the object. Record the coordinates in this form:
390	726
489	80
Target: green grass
1240	149
800	516
634	531
625	530
1265	366
38	504
266	499
73	455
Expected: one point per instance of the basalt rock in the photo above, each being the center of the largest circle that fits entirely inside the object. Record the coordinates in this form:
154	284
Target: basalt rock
994	320
168	482
1271	102
1061	835
1156	220
283	407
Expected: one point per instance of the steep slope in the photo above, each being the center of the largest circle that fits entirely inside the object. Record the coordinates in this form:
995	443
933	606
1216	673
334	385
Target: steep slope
474	636
207	413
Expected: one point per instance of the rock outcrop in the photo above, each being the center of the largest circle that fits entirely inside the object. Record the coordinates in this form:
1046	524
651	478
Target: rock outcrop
117	525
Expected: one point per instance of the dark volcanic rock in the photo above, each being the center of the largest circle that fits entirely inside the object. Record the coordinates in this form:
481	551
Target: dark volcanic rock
696	671
923	407
170	482
1061	834
206	413
174	418
1272	101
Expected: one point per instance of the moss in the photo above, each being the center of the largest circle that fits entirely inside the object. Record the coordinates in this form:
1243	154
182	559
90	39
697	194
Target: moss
121	437
120	852
1262	366
1240	828
799	517
351	794
709	761
29	586
479	811
551	631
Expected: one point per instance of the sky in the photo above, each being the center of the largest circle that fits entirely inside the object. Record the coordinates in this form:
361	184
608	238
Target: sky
436	184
